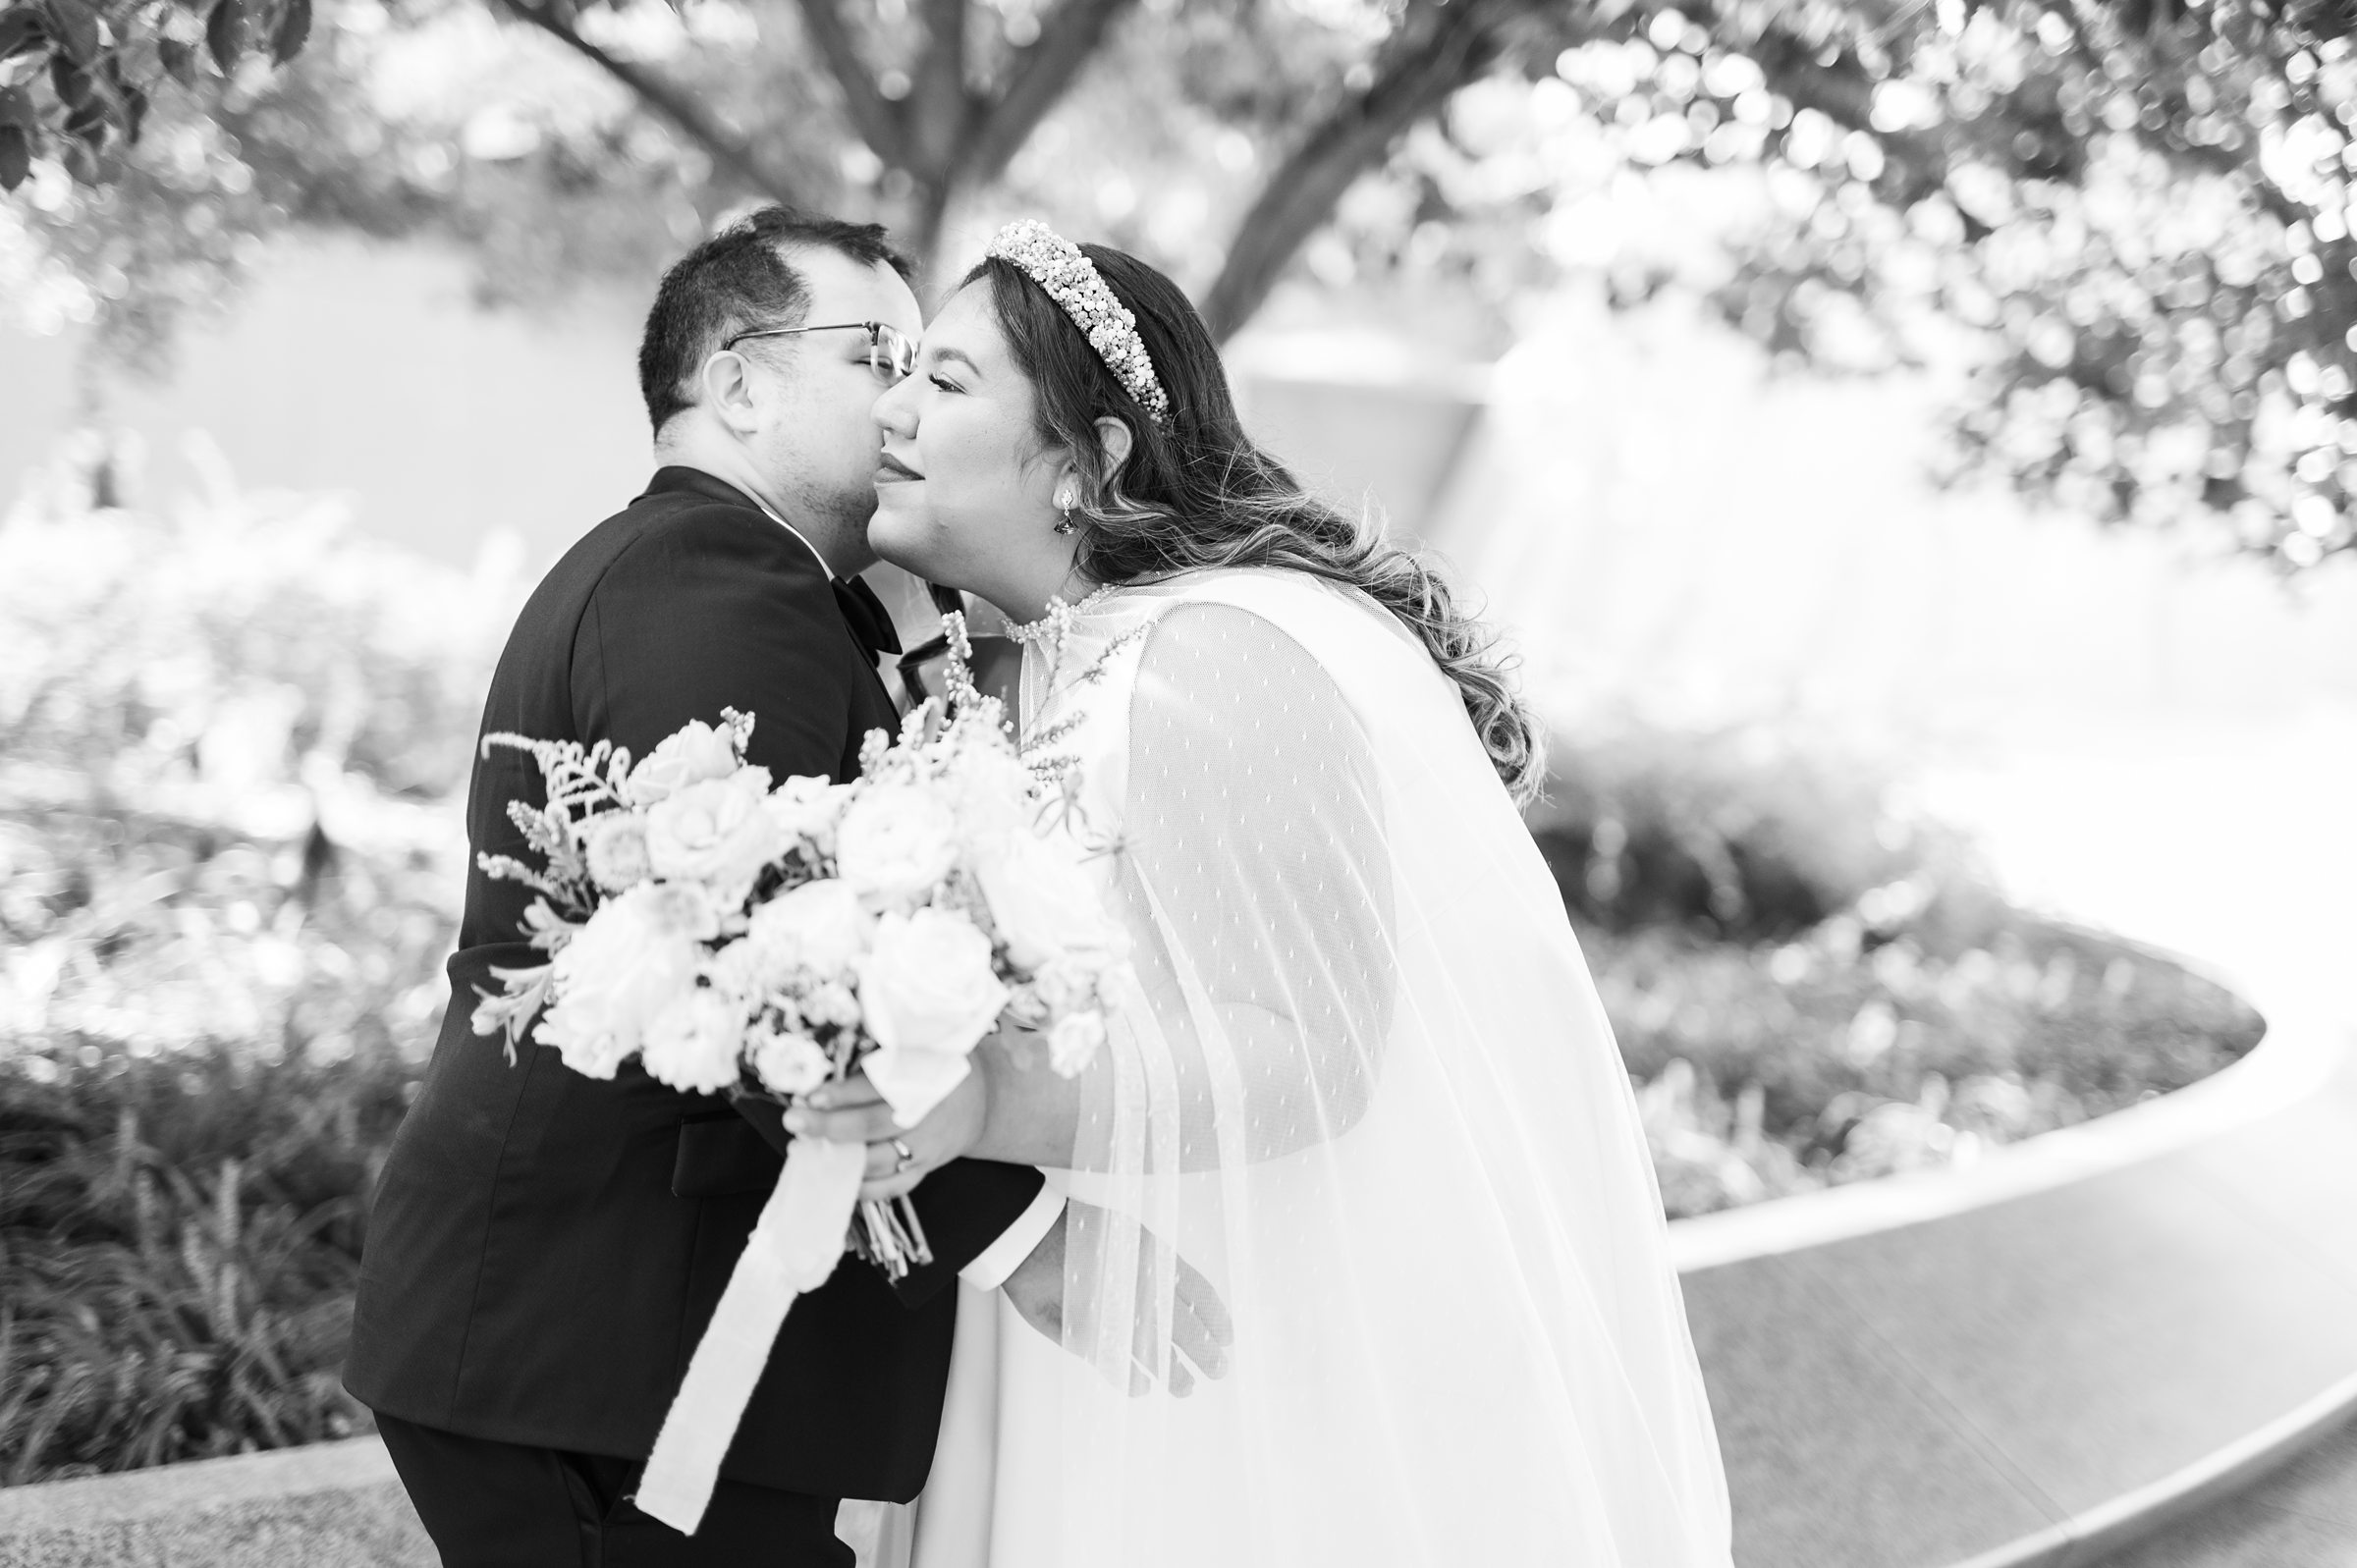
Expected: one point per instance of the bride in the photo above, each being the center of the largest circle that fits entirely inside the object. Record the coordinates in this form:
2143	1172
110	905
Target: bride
1363	1260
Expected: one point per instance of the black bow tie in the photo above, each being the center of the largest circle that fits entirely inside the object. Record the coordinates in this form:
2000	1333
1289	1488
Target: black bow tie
866	615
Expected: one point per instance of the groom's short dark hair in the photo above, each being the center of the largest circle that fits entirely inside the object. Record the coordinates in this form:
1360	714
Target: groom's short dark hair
736	281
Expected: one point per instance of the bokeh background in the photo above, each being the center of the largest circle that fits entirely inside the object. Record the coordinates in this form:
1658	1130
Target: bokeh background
1908	442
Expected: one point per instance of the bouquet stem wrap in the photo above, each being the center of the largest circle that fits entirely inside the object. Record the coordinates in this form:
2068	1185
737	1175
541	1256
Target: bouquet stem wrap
793	1248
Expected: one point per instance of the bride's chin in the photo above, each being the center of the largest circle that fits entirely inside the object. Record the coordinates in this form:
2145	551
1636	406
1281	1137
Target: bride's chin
916	562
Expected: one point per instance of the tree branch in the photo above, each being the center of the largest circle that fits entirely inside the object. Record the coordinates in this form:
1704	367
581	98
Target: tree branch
1439	46
1036	82
873	116
675	103
939	106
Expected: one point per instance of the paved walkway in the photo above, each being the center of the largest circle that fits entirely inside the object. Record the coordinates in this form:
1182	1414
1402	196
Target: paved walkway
2231	842
2302	1516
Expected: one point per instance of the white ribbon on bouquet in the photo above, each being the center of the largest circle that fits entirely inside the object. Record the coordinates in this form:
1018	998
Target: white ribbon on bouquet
795	1246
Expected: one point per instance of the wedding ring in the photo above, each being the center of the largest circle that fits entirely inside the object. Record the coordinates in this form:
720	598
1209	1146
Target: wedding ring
907	1154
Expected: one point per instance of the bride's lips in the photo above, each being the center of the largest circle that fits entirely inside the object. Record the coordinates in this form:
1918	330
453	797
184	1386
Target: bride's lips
889	471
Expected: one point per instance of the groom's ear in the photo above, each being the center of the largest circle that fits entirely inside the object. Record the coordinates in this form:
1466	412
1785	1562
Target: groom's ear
727	390
1114	443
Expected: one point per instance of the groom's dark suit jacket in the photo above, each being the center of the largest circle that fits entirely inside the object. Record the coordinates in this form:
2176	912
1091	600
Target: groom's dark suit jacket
545	1249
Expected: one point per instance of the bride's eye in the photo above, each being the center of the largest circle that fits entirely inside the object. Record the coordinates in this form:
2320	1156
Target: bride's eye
944	382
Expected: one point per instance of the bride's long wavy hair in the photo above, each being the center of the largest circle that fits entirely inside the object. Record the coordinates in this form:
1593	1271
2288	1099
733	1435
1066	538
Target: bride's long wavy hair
1196	492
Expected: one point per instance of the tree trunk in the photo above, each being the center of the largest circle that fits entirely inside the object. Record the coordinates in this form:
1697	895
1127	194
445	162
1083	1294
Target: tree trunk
1439	48
920	237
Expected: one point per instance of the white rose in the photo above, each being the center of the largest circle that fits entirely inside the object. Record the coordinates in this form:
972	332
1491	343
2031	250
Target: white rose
715	832
806	810
790	1063
635	955
1046	905
992	793
929	994
692	1044
896	844
1072	1041
616	850
818	926
687	756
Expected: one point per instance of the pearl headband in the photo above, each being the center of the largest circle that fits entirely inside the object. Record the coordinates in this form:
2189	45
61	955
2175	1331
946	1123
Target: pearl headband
1072	281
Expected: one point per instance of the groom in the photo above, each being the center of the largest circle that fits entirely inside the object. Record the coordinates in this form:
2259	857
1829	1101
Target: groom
545	1248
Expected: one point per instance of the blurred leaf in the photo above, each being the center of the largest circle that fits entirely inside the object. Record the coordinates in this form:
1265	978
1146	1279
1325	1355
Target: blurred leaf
16	156
81	162
293	28
73	84
225	33
76	28
20	31
179	60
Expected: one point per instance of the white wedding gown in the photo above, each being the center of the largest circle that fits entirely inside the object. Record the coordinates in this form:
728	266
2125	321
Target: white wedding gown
1366	1087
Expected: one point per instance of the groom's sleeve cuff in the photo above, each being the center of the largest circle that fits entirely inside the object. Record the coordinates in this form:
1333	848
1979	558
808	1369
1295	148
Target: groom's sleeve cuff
1001	1258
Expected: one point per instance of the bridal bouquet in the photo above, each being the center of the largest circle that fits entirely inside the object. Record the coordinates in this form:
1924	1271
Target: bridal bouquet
747	940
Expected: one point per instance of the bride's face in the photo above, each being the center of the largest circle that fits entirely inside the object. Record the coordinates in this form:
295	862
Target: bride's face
965	489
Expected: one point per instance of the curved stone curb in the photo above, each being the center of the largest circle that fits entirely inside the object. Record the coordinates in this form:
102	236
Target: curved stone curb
329	1505
2133	1516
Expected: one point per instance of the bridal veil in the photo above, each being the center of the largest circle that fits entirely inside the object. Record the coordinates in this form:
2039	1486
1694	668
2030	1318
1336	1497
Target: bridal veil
1365	1087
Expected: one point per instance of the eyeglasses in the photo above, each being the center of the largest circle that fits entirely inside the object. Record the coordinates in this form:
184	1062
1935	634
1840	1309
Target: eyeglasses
891	353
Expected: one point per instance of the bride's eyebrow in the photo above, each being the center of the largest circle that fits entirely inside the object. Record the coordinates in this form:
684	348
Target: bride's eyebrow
937	355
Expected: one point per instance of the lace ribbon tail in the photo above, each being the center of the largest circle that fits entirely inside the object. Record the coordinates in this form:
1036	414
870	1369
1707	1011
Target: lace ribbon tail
793	1248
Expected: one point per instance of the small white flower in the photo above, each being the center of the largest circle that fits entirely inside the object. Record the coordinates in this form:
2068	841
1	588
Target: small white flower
1063	984
991	792
739	970
832	1003
820	926
790	1063
689	755
1073	1041
715	832
614	846
896	844
692	1044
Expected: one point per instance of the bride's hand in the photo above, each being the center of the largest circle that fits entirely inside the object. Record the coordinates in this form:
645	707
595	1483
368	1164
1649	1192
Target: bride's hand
898	1158
1201	1330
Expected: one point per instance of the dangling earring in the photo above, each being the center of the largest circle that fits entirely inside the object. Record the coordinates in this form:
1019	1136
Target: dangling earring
1066	501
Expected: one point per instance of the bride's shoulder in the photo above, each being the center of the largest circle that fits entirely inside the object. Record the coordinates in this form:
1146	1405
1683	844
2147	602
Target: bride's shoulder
1273	593
1273	615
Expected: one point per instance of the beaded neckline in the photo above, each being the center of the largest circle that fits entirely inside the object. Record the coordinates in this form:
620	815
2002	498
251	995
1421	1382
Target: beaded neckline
1049	631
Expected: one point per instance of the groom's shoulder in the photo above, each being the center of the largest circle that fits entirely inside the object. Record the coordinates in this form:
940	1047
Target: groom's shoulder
664	527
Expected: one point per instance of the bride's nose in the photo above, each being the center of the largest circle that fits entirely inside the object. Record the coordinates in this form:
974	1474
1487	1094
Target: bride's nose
893	410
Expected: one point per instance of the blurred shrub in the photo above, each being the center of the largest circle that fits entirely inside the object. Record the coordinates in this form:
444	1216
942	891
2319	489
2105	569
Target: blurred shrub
1811	988
183	1237
232	747
1745	833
